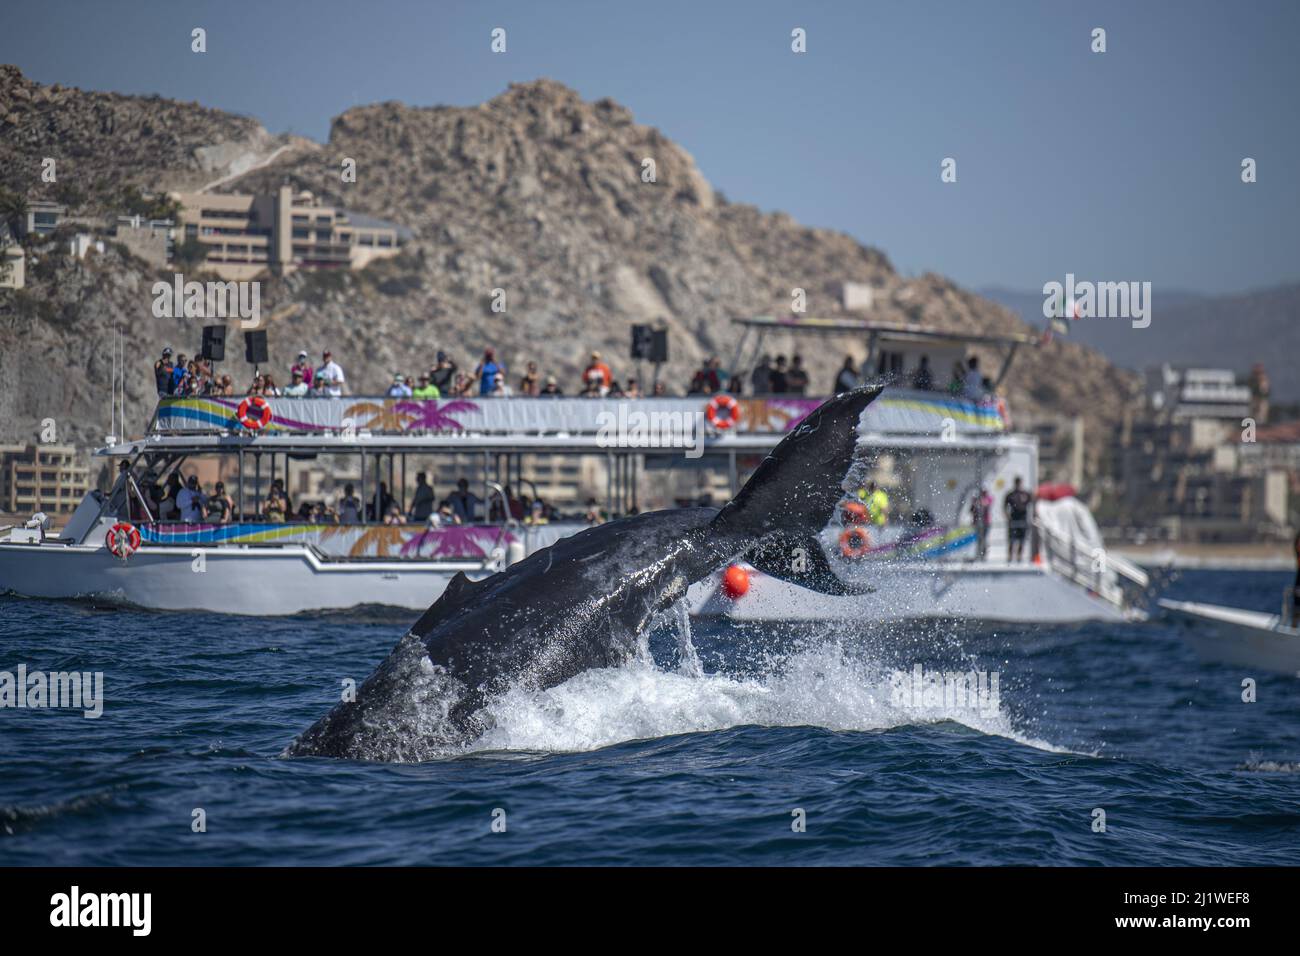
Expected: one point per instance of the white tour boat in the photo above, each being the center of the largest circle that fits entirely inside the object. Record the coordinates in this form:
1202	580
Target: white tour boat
929	450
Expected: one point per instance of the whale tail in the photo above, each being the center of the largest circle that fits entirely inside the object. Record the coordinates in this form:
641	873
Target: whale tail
793	494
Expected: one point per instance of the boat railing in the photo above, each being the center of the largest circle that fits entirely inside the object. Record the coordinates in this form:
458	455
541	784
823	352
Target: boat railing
900	410
1112	578
498	555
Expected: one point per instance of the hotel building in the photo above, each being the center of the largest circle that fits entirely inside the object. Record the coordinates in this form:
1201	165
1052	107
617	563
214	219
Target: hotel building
281	232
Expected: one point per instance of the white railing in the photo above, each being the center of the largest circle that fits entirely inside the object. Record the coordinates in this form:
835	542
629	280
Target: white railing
1107	575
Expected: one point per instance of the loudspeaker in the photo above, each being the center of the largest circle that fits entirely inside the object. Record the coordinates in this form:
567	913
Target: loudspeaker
642	336
255	347
214	343
659	346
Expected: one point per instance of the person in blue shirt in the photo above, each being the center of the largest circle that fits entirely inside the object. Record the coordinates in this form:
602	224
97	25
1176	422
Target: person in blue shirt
179	373
487	372
399	388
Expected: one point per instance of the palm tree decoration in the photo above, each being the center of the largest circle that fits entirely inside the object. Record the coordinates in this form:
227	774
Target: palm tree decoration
386	416
455	541
774	414
434	416
382	537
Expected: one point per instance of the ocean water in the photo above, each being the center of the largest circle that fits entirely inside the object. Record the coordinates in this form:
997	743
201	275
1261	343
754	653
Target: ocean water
713	753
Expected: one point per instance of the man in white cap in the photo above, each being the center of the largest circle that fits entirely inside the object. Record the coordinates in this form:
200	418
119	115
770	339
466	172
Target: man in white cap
298	388
330	375
303	366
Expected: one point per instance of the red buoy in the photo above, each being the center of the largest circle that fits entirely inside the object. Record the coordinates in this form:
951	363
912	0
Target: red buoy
735	582
855	512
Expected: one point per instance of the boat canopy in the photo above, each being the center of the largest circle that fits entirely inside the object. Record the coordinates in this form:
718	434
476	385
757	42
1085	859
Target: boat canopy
941	344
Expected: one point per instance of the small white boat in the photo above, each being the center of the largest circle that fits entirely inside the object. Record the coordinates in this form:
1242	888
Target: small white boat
1237	636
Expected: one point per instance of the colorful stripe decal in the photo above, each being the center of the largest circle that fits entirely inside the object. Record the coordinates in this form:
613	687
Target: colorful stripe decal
928	544
985	416
227	533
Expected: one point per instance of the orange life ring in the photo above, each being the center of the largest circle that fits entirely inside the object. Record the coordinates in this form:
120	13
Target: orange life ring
254	413
723	411
855	542
122	540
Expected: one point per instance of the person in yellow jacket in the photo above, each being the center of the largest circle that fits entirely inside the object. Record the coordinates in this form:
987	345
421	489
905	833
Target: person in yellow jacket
877	502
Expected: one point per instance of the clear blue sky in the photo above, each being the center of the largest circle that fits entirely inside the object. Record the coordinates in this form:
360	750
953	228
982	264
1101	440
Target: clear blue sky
1122	165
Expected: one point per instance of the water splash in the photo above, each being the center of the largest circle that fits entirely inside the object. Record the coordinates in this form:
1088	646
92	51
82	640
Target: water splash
689	661
818	685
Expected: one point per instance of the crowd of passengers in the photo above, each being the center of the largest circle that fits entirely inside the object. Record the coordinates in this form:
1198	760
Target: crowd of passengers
183	499
184	376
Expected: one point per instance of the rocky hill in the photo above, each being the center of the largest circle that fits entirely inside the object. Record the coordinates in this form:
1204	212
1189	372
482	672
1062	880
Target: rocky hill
536	192
103	142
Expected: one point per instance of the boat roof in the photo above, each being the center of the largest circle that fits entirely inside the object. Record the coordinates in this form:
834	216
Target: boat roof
898	418
308	445
897	331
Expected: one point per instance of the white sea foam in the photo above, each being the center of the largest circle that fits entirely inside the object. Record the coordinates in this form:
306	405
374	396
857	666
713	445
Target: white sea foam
819	685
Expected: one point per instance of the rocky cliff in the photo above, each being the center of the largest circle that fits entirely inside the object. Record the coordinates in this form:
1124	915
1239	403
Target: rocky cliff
537	193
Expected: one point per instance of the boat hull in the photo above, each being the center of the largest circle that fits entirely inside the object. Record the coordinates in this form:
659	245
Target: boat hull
262	582
995	593
293	580
1239	637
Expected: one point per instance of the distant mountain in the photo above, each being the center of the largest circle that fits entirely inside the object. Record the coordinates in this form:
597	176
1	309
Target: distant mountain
1227	331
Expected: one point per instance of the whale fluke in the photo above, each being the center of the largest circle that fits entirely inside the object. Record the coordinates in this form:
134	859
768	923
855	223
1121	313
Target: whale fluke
582	602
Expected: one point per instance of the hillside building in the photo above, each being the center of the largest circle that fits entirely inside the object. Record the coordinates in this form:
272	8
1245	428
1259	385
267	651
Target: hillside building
42	477
245	235
1188	468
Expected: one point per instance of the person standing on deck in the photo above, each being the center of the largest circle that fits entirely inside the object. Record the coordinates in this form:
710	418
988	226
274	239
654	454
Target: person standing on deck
464	503
330	375
349	507
922	378
162	372
760	379
422	501
220	506
796	380
487	372
847	380
981	512
877	502
1018	506
303	367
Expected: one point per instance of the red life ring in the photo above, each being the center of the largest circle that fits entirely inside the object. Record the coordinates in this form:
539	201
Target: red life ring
122	540
855	542
254	413
723	411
